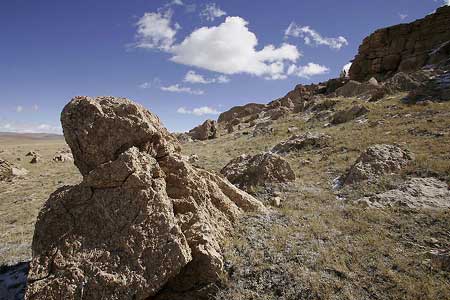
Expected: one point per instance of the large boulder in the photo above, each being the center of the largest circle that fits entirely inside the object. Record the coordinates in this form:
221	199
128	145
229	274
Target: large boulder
301	141
205	131
142	223
349	114
376	161
363	90
249	171
415	193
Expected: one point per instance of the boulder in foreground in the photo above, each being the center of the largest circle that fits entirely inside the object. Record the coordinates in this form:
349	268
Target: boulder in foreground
142	223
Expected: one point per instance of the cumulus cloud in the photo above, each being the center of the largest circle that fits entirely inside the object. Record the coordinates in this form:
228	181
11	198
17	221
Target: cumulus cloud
230	48
156	31
199	111
211	12
311	69
346	68
176	88
193	77
313	38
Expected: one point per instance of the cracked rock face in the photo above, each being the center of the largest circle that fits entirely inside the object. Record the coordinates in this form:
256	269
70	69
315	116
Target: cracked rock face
300	142
143	223
378	160
248	171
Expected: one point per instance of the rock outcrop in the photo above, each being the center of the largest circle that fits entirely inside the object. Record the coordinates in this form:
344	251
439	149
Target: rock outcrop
376	161
205	131
363	90
63	157
415	193
247	171
404	47
240	112
142	223
300	142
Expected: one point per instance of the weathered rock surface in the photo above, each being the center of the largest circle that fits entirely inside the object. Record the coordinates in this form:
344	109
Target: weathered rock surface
239	112
142	223
248	171
352	113
363	90
301	142
378	160
263	128
8	171
35	159
404	47
415	193
205	131
183	138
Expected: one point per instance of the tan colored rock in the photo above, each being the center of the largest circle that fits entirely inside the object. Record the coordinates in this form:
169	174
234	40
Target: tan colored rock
205	131
248	171
378	160
8	171
139	225
298	142
239	112
357	89
35	159
352	113
415	193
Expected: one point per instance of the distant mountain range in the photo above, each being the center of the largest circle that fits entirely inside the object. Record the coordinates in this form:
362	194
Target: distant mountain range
33	136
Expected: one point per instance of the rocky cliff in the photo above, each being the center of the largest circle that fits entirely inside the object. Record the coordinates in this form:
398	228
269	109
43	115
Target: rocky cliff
403	47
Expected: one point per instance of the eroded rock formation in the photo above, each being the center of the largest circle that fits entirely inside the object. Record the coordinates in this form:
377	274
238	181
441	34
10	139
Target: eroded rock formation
142	223
404	47
205	131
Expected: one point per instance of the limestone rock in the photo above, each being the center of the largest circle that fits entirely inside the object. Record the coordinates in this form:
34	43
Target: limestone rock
205	131
415	193
378	160
139	225
357	89
248	171
123	124
352	113
301	142
8	171
404	47
239	112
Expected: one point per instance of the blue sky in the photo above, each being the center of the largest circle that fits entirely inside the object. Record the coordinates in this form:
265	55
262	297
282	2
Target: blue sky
185	60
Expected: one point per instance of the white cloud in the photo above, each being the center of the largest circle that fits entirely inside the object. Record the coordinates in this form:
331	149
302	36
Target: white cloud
446	2
19	108
312	37
211	12
311	69
155	82
230	49
199	111
176	88
193	77
155	31
29	127
403	16
346	68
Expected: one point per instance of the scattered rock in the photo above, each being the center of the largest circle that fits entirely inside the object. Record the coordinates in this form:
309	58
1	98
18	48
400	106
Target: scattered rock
31	153
300	142
276	201
193	158
35	159
142	223
248	171
292	129
440	259
416	193
206	131
63	157
264	128
8	171
378	160
352	113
